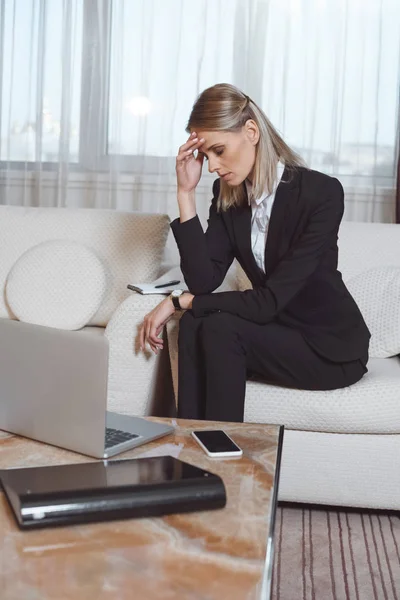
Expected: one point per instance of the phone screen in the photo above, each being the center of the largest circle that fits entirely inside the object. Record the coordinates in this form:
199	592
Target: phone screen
216	441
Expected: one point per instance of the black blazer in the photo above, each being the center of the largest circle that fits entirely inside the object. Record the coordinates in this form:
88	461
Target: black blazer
302	287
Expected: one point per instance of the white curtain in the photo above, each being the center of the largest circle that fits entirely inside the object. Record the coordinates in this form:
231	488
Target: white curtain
95	94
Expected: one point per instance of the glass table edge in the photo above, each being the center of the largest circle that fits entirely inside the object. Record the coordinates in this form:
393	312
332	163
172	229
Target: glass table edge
269	557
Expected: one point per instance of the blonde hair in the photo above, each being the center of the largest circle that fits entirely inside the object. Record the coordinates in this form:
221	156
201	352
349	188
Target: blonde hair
223	107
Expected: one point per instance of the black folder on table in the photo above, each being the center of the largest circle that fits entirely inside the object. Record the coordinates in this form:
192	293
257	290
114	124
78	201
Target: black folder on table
113	489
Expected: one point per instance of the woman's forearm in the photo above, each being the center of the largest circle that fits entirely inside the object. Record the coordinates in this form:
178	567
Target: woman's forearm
187	205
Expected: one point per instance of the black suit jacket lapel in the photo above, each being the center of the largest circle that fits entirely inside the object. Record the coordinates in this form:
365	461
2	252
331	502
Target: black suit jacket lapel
286	193
242	227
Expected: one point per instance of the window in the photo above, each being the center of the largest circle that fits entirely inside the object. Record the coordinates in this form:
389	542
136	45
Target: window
41	82
338	102
95	83
159	48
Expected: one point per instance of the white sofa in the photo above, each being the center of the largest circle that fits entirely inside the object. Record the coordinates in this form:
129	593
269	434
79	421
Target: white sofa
341	447
131	247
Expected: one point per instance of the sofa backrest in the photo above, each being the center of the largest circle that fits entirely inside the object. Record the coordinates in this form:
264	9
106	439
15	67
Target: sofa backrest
363	246
130	245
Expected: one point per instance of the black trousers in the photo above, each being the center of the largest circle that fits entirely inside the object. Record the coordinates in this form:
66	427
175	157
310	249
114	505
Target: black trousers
219	352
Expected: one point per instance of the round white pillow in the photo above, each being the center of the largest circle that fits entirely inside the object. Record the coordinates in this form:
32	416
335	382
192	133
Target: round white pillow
58	283
377	293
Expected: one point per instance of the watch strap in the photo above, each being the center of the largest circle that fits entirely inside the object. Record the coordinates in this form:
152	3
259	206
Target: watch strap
176	303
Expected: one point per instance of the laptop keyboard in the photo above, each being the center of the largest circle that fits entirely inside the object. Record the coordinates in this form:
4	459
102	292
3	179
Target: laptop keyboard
116	436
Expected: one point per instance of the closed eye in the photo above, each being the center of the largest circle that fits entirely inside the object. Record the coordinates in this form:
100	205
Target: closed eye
217	152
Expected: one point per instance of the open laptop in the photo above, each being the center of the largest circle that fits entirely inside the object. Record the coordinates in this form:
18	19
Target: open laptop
53	388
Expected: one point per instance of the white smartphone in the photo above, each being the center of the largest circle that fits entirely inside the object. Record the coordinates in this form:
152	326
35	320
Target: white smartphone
216	443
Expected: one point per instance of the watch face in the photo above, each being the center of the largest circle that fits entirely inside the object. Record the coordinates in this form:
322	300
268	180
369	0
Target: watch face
176	293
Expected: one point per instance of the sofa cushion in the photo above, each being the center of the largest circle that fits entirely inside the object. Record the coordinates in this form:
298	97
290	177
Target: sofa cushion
58	283
364	246
377	293
130	245
372	405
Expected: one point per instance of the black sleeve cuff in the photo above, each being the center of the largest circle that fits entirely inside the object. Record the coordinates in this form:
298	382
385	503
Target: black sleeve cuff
179	228
204	305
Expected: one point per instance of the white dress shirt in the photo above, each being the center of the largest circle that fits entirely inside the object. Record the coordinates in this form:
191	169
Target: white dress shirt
260	214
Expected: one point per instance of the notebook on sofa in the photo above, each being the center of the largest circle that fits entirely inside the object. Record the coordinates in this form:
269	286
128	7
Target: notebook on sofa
165	284
151	288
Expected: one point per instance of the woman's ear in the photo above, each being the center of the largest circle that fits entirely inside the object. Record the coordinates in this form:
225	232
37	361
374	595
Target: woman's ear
252	132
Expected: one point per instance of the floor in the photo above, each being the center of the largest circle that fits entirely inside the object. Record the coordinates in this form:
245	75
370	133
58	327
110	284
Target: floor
336	555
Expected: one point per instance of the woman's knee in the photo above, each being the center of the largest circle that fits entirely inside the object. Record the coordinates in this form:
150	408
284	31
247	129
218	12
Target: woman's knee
214	324
220	336
219	323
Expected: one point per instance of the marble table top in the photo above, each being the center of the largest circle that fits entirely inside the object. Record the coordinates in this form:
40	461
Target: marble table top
216	554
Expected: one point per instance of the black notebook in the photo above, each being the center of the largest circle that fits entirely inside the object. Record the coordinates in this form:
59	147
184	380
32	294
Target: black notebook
113	489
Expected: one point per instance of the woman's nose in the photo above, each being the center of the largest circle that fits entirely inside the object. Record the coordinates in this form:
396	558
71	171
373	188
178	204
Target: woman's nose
211	167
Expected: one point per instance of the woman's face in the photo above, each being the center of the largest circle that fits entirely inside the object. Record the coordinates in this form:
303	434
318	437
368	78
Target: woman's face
231	154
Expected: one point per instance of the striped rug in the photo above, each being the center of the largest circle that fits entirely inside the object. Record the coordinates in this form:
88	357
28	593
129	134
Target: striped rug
333	555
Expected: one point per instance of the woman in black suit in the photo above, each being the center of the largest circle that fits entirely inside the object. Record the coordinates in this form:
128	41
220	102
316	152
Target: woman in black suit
298	326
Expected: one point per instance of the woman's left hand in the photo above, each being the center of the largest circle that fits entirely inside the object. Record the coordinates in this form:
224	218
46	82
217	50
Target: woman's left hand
155	320
153	324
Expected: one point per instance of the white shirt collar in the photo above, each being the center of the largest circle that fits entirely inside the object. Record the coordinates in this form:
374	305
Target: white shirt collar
249	187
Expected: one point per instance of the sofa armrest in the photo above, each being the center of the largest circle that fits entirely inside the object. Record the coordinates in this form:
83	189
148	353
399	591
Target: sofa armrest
139	383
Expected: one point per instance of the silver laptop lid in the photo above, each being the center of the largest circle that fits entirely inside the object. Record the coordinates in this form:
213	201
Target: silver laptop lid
53	385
